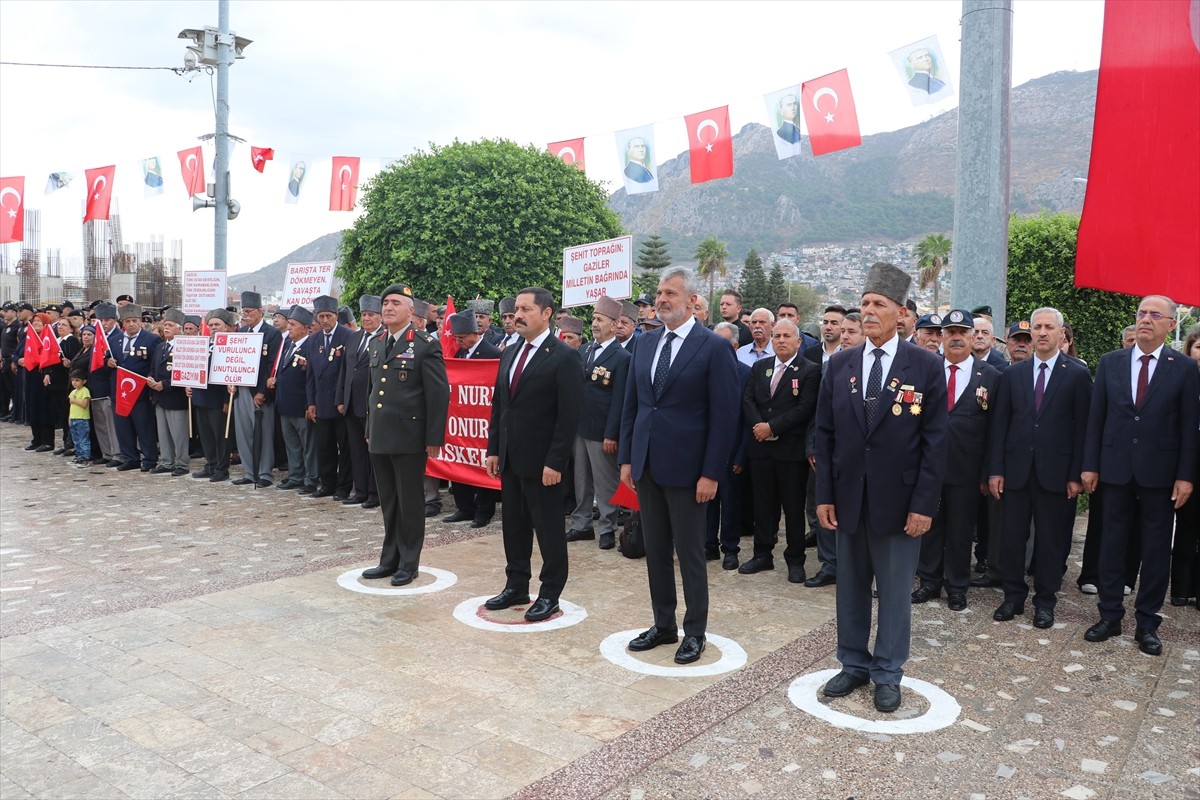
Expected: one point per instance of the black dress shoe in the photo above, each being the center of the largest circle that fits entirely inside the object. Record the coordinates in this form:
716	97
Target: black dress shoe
31	447
218	477
355	500
403	577
822	578
507	598
757	564
59	451
1043	618
1148	642
1007	610
843	684
689	650
146	468
338	497
432	509
956	601
160	470
306	490
116	462
981	566
128	465
178	472
319	493
730	561
47	448
1102	630
243	481
653	637
795	573
1179	601
457	516
288	484
264	483
925	593
579	536
374	573
712	555
370	504
481	522
608	541
984	582
810	540
887	697
541	609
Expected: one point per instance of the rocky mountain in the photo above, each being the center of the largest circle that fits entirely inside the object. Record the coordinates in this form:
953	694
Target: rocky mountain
269	279
898	185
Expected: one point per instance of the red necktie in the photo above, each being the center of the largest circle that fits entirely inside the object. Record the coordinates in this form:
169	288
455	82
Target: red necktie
1143	382
512	385
950	388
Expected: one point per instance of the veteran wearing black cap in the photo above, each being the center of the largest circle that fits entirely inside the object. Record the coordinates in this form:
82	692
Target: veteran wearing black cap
355	377
325	369
880	445
135	351
1020	341
508	326
406	425
929	332
254	407
170	402
484	311
290	384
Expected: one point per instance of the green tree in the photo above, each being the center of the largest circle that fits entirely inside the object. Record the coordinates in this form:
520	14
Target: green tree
933	253
1041	272
481	218
777	288
653	254
711	255
754	282
807	300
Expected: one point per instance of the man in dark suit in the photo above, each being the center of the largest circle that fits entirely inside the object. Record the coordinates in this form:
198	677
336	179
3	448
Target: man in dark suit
474	504
170	403
290	384
880	452
627	328
724	512
134	350
970	392
778	403
535	414
326	364
1142	447
676	437
254	407
1035	455
406	425
353	403
984	337
605	368
100	384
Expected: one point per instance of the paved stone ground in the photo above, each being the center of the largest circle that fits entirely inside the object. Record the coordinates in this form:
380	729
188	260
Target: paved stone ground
166	637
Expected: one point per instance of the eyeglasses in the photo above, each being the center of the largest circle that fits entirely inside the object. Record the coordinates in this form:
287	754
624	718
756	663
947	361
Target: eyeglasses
1154	315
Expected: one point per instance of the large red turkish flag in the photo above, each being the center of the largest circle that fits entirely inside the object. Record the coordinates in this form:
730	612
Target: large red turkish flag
829	113
191	163
569	150
1140	232
100	186
343	184
710	144
12	209
129	388
33	348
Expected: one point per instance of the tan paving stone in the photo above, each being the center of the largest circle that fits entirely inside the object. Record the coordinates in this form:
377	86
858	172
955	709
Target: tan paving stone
293	784
242	773
278	741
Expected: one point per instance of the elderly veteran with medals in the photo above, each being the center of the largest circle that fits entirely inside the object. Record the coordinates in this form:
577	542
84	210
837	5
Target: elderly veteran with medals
406	424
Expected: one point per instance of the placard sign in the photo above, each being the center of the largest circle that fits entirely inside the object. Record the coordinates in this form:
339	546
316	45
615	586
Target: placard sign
189	361
464	455
305	281
235	358
599	268
203	291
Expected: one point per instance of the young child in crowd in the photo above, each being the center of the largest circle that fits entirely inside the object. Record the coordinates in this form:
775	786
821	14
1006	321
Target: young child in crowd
81	417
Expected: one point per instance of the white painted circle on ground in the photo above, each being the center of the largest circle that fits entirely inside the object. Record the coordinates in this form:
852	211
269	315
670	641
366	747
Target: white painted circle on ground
442	580
615	649
943	709
470	612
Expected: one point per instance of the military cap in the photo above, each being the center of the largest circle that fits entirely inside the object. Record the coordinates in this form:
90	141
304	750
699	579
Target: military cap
345	315
29	307
485	307
192	318
981	311
282	311
129	311
371	303
608	307
75	312
324	303
929	321
67	304
223	314
173	315
643	299
571	325
251	300
126	297
301	315
105	311
1021	327
508	305
52	307
889	281
463	322
420	309
398	288
958	318
652	322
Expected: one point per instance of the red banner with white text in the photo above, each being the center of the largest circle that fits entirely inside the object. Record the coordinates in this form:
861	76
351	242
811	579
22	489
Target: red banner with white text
464	455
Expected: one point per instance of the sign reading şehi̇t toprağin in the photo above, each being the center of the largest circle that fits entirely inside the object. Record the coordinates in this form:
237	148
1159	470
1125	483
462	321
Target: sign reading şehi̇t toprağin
599	268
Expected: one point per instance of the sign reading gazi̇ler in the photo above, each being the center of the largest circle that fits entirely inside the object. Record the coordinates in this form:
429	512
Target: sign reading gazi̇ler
599	268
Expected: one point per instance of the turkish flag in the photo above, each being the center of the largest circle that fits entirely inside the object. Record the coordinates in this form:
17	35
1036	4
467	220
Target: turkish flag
33	348
625	497
204	331
259	156
51	351
449	346
191	162
100	186
828	106
569	150
129	388
99	349
1141	214
12	209
343	184
710	144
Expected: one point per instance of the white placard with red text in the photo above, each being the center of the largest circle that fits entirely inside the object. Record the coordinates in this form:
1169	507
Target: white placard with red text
306	281
599	268
204	290
189	361
235	359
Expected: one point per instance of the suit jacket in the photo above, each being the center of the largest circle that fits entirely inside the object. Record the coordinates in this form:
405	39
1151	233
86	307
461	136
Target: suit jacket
901	462
788	410
536	427
1153	446
357	373
1053	437
968	424
140	358
272	339
691	428
325	368
996	360
484	350
604	393
215	395
814	354
171	397
410	396
291	380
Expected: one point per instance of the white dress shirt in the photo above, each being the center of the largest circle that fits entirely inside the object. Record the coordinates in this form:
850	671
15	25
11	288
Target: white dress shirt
961	378
1037	362
537	343
681	333
1135	367
889	355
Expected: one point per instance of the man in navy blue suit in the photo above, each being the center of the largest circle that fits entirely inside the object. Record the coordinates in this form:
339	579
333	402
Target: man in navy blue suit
134	350
677	431
326	366
1142	446
880	446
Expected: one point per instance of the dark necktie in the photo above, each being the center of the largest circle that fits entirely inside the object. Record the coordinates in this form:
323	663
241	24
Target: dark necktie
287	352
663	366
874	387
1039	390
951	387
592	348
512	385
1143	382
328	339
391	342
462	353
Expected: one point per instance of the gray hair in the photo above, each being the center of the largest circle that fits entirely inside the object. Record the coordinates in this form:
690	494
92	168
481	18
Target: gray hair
691	283
1170	303
702	301
766	311
1048	310
786	321
726	326
1128	329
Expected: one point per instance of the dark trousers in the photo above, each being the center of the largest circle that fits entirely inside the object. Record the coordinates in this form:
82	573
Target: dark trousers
1046	510
6	389
745	489
402	500
1185	555
946	549
18	395
474	501
1093	543
1125	505
331	442
210	423
723	517
360	459
673	522
531	508
60	408
138	432
779	485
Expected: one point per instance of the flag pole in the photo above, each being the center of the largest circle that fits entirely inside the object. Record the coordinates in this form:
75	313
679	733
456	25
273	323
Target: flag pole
189	397
229	413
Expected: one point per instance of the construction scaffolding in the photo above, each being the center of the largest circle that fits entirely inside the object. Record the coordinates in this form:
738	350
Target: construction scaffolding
101	240
159	279
29	265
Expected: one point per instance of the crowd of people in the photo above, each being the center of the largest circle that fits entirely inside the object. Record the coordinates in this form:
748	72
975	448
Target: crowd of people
899	446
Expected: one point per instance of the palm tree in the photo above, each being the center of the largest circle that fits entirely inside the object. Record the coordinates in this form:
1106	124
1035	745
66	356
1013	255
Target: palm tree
933	253
711	255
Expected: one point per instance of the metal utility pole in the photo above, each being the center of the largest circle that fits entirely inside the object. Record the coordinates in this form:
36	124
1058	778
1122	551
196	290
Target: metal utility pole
980	255
221	162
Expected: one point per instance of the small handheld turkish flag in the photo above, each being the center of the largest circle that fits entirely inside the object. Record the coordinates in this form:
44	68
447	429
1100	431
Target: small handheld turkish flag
12	209
343	184
259	156
449	346
191	162
569	150
710	144
33	349
99	349
100	186
625	497
829	113
51	351
129	388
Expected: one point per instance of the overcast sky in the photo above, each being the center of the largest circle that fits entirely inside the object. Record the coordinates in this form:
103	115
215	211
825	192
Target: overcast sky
380	80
